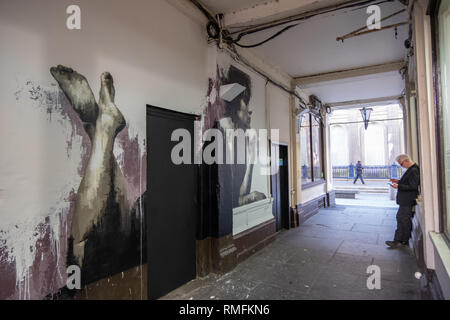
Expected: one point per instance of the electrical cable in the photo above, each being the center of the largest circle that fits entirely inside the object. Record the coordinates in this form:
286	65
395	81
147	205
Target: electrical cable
205	11
265	26
268	39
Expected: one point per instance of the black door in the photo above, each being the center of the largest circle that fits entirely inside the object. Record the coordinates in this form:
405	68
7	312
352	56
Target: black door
280	187
172	204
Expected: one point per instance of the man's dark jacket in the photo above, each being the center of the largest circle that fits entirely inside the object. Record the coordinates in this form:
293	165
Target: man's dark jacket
359	168
408	186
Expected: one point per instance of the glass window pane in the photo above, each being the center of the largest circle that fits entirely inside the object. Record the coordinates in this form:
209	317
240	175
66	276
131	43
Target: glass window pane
316	148
305	148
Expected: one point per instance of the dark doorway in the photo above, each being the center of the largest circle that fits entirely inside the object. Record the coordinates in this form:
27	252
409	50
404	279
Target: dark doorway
172	204
280	187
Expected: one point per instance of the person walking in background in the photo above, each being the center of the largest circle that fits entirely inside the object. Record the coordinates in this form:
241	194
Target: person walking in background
408	190
359	170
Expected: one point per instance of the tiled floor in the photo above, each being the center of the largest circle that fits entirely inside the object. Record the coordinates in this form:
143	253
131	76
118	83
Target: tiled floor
325	258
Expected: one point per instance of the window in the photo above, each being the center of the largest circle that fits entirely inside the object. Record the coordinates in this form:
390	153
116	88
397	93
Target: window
340	154
305	148
311	149
375	144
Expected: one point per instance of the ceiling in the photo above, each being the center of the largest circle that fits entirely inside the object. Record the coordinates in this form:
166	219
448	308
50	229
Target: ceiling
311	48
230	6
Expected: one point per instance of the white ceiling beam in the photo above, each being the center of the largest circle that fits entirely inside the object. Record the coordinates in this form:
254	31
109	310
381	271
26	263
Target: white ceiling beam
366	102
276	10
348	73
263	11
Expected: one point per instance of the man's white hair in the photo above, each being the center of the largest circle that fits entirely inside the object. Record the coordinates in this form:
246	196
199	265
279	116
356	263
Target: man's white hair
402	157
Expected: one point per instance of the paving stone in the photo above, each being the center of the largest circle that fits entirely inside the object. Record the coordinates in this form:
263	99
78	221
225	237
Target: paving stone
294	277
371	219
397	290
334	235
307	256
342	262
397	270
363	249
270	292
277	252
339	286
372	228
389	222
335	219
364	210
384	236
333	226
259	271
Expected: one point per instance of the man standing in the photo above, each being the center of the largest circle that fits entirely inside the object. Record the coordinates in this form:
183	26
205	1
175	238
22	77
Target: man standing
359	170
408	190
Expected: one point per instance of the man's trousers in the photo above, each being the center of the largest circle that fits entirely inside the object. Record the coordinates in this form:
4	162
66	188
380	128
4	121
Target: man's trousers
358	175
404	224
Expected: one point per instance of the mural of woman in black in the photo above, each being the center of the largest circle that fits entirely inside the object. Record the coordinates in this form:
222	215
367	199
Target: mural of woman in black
238	116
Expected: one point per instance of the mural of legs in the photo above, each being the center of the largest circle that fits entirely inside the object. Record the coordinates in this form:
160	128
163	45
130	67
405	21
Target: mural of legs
101	202
77	90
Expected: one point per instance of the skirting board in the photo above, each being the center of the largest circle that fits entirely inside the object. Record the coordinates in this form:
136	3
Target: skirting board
254	239
308	209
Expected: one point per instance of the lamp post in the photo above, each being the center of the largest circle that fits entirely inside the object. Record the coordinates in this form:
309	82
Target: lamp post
365	113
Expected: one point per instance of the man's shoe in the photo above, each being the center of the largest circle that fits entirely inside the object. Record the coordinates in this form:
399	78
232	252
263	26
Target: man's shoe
394	244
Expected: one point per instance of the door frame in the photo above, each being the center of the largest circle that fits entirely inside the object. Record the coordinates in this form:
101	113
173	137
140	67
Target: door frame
284	144
151	110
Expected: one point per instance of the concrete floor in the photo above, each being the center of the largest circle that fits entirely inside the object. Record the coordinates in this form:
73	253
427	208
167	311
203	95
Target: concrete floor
325	258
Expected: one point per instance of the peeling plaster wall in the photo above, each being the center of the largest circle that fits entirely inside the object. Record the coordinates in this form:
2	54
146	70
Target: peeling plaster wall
156	54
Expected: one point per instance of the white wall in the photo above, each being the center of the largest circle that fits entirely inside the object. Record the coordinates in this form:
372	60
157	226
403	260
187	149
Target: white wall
157	56
312	193
279	104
